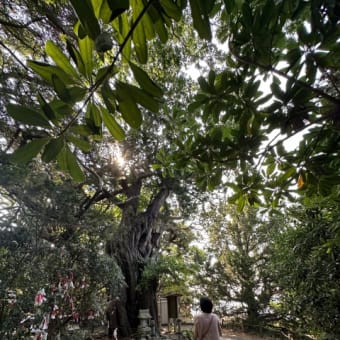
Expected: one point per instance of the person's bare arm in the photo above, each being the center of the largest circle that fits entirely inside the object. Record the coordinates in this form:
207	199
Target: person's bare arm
195	329
219	328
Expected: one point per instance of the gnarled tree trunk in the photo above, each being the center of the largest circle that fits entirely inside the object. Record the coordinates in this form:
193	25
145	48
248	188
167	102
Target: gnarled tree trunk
136	242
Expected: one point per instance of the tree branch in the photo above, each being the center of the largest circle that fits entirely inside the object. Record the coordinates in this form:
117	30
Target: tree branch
121	47
100	81
14	56
16	25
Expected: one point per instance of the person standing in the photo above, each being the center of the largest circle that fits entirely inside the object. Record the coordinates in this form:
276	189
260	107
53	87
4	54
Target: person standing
112	317
207	324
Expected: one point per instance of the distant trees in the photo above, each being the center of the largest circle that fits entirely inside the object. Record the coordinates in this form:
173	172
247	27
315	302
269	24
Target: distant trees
275	272
237	271
304	265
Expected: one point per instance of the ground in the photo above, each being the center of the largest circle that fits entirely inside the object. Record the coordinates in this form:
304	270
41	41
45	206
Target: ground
237	335
229	334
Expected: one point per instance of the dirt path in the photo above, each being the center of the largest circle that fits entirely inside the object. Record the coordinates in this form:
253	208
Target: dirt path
231	335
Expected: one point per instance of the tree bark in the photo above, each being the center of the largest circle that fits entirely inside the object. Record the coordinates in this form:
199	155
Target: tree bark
136	243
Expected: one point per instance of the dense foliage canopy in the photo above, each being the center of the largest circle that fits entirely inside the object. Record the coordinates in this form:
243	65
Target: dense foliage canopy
292	45
104	134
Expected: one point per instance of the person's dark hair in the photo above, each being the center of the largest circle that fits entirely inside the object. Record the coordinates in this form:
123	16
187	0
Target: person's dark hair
206	305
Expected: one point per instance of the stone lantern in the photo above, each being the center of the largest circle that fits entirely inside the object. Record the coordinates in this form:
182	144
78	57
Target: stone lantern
144	329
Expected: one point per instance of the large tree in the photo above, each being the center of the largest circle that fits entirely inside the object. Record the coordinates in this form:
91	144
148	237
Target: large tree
78	103
93	80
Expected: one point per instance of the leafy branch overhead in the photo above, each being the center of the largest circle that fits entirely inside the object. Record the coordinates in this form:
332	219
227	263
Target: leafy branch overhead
276	77
88	91
280	79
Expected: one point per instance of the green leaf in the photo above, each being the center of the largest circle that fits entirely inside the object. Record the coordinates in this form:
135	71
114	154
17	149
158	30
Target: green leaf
80	31
52	149
211	78
138	35
311	70
81	143
247	17
115	129
87	17
241	202
270	168
81	130
93	121
325	187
148	27
76	93
104	12
145	82
75	55
293	56
59	58
207	5
128	108
202	183
263	100
288	174
214	180
303	34
204	85
278	93
109	97
117	7
251	89
302	96
201	19
46	71
96	5
86	46
229	5
280	149
157	21
93	113
122	26
194	106
140	96
104	73
68	162
171	9
28	151
60	89
27	116
47	109
153	11
161	31
130	112
61	108
139	41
